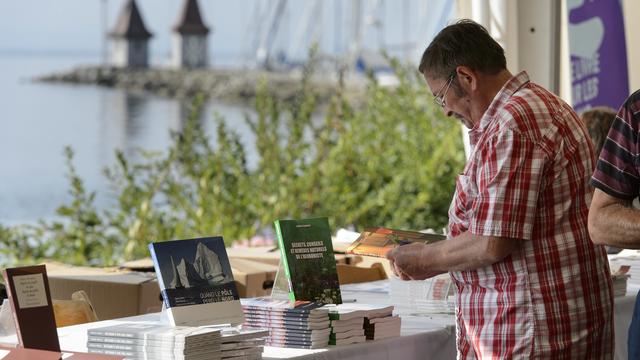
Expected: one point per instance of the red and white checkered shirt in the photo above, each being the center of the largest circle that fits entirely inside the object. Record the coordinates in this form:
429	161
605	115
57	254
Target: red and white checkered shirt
528	179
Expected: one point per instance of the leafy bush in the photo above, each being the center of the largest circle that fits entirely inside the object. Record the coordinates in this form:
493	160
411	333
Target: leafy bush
389	159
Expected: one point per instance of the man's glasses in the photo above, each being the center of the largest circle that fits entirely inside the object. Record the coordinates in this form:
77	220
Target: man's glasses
439	97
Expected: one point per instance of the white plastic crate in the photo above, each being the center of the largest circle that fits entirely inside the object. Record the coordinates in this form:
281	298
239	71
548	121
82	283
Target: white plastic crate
430	296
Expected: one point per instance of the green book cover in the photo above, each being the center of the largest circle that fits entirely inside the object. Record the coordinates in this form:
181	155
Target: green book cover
307	259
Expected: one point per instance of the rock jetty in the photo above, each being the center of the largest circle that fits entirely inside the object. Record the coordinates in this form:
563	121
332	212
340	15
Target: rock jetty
233	85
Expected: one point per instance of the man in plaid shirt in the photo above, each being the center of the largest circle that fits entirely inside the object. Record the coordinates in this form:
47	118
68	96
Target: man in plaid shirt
614	219
530	282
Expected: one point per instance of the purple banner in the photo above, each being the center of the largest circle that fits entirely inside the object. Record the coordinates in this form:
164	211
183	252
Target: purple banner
598	54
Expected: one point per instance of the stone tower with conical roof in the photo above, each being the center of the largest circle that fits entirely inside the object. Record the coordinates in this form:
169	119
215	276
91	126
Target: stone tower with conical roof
189	48
130	38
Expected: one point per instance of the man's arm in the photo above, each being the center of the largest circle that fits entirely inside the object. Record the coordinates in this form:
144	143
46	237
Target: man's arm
465	252
612	221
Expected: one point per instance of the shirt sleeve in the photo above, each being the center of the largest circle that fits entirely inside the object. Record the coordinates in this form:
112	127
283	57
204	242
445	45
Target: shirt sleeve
508	183
617	170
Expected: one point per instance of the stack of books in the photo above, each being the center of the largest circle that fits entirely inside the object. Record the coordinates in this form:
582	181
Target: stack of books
379	321
243	343
630	258
304	325
347	325
619	278
382	327
436	295
153	341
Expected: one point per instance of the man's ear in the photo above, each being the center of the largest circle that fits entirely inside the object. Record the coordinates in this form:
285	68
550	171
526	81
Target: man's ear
467	78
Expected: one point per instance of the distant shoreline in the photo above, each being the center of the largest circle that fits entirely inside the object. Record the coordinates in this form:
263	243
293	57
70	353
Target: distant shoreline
231	85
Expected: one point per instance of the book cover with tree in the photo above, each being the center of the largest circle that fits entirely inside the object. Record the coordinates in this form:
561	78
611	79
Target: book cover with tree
308	260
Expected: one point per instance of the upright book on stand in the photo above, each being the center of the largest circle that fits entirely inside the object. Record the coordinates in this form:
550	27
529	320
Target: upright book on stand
307	264
30	298
377	242
196	282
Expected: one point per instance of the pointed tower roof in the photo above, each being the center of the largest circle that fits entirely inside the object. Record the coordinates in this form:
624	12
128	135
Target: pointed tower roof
130	24
190	20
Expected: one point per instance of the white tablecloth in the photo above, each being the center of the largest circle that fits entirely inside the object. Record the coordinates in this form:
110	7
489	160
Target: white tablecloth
623	312
438	343
423	337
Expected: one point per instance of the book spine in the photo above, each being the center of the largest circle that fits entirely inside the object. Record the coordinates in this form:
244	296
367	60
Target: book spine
156	265
94	338
380	254
111	334
283	259
133	354
113	346
278	311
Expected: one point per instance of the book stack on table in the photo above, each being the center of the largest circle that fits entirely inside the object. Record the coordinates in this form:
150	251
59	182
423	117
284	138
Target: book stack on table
346	326
382	327
304	325
619	279
243	344
152	341
379	322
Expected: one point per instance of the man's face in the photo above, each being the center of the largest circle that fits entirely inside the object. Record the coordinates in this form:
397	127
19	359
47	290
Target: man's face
446	92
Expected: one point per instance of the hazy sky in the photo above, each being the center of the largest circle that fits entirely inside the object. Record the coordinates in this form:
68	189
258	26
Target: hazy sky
75	26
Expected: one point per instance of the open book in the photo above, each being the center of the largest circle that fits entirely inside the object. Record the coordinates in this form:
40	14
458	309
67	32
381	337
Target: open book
379	241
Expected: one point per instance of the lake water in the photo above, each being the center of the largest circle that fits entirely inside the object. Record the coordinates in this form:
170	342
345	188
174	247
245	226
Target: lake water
38	120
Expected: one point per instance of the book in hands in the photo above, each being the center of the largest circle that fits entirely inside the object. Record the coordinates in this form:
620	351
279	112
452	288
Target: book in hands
377	242
196	282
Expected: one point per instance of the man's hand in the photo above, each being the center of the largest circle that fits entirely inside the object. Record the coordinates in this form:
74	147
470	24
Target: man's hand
465	252
409	262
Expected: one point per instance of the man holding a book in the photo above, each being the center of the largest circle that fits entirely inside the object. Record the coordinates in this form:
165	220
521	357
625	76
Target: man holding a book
530	282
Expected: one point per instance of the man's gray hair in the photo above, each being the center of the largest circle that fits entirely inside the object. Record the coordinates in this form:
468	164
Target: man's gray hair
465	43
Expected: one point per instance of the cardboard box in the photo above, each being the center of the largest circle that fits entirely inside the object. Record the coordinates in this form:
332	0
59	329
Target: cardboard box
253	278
254	268
114	293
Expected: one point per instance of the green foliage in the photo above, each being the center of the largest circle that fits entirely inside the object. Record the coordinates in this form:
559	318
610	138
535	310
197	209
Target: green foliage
394	161
388	160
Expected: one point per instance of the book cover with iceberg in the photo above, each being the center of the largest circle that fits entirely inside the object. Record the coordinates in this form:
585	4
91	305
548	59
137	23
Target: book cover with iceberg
196	282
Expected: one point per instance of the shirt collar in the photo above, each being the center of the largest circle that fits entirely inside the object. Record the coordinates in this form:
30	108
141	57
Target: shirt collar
508	89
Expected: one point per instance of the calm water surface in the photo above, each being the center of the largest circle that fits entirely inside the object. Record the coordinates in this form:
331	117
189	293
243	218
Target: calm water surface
38	120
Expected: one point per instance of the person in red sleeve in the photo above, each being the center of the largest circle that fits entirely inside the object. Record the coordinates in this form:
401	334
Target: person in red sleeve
530	283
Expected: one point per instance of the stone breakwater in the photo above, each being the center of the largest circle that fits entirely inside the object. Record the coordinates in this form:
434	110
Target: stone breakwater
234	85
